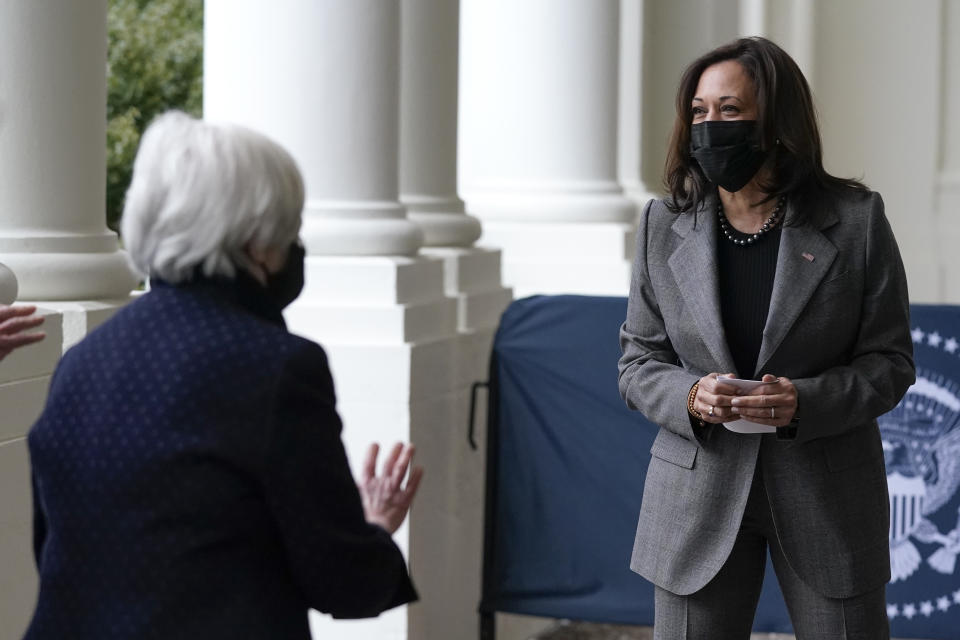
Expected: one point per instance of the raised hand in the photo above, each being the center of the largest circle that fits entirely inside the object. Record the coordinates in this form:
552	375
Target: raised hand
385	499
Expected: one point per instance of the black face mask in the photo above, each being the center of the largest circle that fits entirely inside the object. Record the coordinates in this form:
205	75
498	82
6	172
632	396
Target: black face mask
728	151
285	285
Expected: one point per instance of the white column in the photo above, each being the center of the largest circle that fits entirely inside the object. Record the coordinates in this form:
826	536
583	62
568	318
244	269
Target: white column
428	113
53	233
630	137
802	23
790	25
674	35
853	63
753	17
538	145
321	78
446	553
428	162
947	181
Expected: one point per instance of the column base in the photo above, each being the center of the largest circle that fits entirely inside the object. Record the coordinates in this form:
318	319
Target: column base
372	300
442	219
80	317
446	229
472	277
71	276
564	258
354	234
604	202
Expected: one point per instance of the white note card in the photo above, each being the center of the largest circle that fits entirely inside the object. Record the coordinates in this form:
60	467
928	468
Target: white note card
745	425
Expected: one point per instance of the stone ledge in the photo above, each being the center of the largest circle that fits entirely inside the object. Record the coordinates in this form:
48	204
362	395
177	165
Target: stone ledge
468	270
386	325
82	317
36	359
479	311
371	280
567	276
607	241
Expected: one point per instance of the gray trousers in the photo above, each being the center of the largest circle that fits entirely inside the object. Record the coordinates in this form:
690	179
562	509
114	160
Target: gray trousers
725	607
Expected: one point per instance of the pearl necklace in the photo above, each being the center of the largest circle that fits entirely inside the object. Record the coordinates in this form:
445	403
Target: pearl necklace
750	238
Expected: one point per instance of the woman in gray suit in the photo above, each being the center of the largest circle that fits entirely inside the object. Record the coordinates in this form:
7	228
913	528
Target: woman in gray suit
762	266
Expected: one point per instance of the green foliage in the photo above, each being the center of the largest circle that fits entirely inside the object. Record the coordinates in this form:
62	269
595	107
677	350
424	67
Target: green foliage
154	63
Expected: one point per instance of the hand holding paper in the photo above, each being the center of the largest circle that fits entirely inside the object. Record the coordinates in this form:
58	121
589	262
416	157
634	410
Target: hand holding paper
763	404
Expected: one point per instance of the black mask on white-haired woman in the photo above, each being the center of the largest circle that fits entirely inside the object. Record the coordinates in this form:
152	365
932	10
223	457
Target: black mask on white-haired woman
285	285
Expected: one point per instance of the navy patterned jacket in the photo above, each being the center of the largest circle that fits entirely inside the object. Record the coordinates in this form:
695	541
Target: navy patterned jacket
190	482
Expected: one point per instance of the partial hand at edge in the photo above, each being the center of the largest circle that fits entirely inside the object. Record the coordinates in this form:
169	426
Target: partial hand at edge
14	321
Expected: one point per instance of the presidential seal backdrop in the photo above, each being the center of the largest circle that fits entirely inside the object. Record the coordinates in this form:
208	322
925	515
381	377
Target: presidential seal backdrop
921	443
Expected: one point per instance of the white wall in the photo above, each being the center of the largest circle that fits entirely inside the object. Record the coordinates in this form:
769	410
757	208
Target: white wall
884	75
674	34
877	82
947	181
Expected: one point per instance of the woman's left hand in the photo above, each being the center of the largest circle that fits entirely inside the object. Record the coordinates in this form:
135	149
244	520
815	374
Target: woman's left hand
385	500
773	403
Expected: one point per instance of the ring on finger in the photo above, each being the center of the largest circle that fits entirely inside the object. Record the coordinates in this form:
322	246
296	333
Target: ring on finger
711	413
773	413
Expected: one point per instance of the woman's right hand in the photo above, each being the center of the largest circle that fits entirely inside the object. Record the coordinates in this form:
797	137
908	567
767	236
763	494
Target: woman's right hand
385	500
713	399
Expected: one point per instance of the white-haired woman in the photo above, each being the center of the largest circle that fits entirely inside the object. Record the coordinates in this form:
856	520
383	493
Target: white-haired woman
189	477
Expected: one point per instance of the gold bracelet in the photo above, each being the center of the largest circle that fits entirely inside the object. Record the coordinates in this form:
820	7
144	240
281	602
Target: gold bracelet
690	399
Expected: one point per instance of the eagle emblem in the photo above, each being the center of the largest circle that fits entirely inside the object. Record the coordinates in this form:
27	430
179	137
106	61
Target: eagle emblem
921	443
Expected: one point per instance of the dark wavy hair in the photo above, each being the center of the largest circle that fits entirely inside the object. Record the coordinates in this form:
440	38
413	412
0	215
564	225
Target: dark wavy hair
786	126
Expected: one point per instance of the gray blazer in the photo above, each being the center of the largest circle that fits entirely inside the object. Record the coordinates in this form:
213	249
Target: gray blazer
838	327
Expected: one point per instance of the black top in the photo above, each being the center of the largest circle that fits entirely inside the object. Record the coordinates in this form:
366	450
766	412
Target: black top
746	284
190	481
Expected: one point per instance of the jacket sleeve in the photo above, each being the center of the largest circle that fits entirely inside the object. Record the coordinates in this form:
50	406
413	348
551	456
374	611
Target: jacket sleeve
880	368
651	378
344	566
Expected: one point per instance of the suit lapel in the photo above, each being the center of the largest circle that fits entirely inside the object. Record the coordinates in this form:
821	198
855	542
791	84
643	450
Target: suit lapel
804	258
694	267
